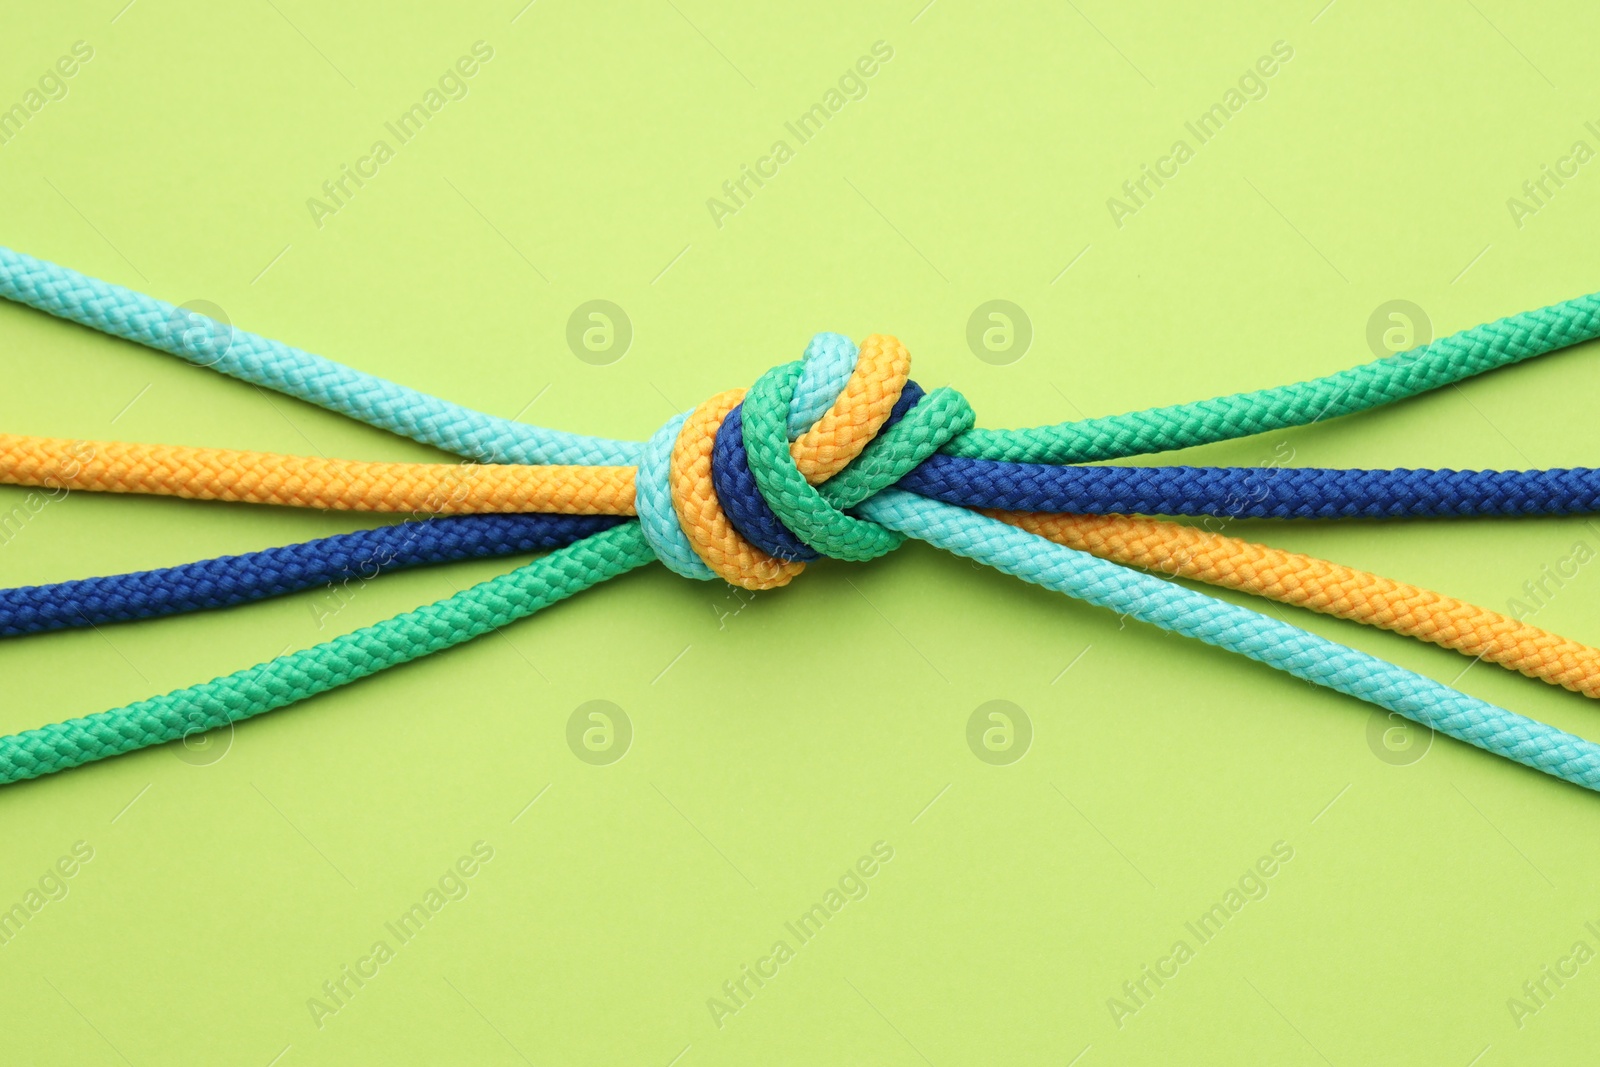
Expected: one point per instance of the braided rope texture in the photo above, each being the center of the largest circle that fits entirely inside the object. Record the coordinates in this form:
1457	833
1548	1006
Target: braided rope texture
1255	492
1321	586
1228	626
502	600
157	324
1450	359
226	580
711	535
1181	551
132	316
345	659
818	516
466	488
311	481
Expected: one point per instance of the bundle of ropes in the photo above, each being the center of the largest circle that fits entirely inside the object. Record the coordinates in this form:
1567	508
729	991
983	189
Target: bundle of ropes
839	454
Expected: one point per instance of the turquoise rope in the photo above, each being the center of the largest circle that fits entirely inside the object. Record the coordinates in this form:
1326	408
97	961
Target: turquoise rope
652	499
145	320
1277	644
273	365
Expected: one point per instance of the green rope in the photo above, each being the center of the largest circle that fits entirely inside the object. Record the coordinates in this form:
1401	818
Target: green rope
1451	359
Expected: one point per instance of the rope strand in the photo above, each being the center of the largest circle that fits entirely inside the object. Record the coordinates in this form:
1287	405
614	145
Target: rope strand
468	489
1266	640
223	581
1321	586
823	441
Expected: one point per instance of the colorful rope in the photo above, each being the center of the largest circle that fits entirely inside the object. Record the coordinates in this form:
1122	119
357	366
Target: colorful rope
823	440
1237	629
1182	551
467	489
1328	588
1255	493
237	353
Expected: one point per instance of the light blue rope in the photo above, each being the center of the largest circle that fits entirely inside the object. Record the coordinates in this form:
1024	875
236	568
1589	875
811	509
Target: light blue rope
273	365
133	316
652	499
830	359
1216	622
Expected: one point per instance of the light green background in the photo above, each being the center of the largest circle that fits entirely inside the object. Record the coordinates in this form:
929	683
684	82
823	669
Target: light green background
772	749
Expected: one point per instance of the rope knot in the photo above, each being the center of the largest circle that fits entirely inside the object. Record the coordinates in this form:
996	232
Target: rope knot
751	485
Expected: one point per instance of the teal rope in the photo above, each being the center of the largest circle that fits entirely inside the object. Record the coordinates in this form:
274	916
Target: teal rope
652	498
145	320
273	365
1228	626
298	675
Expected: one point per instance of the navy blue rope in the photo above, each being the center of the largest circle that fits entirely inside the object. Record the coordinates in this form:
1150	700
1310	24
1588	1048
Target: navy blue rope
1255	492
215	583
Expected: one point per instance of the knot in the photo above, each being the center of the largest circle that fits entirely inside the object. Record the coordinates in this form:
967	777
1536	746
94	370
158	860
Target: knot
749	486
